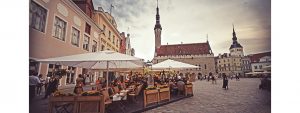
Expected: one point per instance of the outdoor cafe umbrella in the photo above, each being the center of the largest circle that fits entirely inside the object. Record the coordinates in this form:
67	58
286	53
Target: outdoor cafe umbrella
97	60
172	64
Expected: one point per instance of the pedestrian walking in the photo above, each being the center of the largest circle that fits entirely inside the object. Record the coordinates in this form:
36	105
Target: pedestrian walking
208	78
214	79
40	85
33	82
237	77
225	82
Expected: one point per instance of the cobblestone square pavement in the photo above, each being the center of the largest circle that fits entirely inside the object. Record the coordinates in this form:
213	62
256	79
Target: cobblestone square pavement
242	97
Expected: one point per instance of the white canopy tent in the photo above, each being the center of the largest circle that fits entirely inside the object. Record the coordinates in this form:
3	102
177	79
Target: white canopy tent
98	60
172	64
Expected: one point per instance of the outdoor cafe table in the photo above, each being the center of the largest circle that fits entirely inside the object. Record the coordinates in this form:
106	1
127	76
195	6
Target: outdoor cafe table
119	97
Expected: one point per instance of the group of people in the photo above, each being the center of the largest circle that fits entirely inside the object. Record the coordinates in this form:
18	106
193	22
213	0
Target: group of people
37	82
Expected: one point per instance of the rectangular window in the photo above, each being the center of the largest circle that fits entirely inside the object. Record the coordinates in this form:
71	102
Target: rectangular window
87	28
204	66
59	29
113	39
75	37
260	66
117	44
37	16
102	48
94	46
109	34
71	75
86	42
255	67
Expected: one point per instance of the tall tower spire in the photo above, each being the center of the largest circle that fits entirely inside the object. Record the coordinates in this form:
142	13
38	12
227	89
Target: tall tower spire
157	29
236	49
234	38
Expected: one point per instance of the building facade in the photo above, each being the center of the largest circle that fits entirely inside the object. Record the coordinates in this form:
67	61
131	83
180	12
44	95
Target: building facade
246	65
259	61
231	63
199	54
110	35
60	28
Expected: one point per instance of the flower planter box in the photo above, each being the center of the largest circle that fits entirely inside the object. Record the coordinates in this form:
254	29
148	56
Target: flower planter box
91	104
77	104
151	96
188	89
164	94
62	102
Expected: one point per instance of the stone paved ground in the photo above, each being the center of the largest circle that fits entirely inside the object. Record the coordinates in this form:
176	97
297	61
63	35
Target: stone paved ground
242	97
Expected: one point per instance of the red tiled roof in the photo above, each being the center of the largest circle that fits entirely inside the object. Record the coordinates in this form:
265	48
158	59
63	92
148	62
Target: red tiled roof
183	49
256	57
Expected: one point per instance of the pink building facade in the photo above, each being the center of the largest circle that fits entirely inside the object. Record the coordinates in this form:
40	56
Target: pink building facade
60	28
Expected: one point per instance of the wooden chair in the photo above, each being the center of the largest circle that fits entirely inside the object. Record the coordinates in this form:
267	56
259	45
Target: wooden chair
136	93
107	99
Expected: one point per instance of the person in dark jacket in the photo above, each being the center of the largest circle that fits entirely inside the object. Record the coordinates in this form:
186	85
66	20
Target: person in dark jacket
225	82
52	87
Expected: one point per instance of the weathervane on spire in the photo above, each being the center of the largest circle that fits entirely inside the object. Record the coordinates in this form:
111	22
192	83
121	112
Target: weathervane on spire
111	6
233	27
206	37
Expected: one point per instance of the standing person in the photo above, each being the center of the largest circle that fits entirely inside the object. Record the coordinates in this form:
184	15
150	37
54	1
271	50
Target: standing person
225	82
213	79
47	79
79	80
216	77
52	87
84	77
208	78
33	82
87	80
39	86
237	77
79	83
98	84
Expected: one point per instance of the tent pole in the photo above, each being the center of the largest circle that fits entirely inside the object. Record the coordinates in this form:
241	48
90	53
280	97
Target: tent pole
107	74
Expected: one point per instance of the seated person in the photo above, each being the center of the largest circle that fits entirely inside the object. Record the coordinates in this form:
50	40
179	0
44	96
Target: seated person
180	85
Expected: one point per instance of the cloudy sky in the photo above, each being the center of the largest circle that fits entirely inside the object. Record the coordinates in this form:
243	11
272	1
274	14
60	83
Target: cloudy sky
189	21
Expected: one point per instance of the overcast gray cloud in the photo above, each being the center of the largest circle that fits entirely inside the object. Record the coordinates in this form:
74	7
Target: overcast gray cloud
189	21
